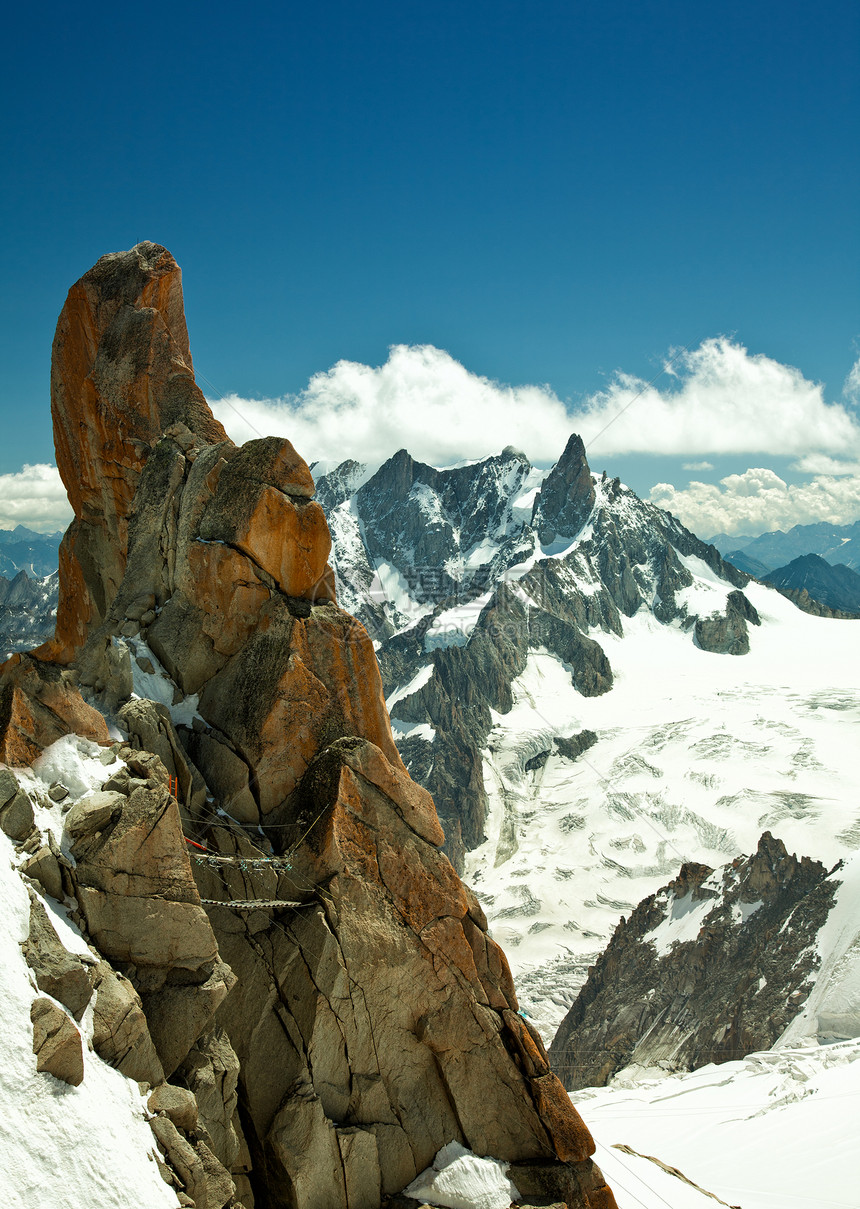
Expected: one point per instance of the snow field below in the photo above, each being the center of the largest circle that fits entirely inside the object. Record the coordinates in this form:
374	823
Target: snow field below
697	755
777	1130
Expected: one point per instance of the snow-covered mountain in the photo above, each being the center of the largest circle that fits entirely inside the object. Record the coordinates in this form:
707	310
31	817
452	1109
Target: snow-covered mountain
460	574
715	966
23	549
834	543
590	692
28	611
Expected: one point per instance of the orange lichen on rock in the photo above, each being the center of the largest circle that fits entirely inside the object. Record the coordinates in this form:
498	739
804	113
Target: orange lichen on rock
121	373
39	705
290	541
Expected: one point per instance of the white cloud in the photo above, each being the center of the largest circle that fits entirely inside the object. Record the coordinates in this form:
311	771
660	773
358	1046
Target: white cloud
821	463
697	466
421	399
759	500
851	389
34	496
718	399
722	400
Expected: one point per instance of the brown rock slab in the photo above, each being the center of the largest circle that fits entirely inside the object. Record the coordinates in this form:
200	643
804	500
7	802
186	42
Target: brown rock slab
16	817
120	1031
211	1072
93	814
177	1103
177	1015
58	973
57	1043
571	1139
44	868
39	703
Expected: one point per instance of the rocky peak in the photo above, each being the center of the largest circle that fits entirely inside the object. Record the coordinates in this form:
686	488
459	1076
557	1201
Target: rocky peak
710	968
121	374
566	496
339	484
342	970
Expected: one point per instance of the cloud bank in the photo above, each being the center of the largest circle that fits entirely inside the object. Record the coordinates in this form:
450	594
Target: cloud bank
421	399
34	496
721	399
758	501
715	399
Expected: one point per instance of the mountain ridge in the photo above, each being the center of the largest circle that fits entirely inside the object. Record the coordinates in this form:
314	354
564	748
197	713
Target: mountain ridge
433	561
834	543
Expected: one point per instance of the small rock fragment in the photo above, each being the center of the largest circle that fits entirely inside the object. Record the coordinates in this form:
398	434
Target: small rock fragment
16	817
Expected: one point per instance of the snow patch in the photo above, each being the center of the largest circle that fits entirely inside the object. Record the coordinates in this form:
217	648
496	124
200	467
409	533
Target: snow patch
459	1179
741	912
76	763
157	685
413	730
417	682
682	923
454	626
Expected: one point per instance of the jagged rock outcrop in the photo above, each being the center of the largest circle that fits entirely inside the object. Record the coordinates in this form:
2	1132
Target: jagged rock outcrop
710	968
39	703
57	1043
338	1010
121	373
566	498
727	634
58	973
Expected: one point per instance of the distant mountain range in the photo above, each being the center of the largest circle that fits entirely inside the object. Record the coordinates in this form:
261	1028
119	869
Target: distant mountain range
23	549
461	574
833	543
837	586
28	611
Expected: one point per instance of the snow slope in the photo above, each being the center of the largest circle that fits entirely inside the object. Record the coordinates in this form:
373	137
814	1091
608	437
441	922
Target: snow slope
63	1147
697	755
774	1131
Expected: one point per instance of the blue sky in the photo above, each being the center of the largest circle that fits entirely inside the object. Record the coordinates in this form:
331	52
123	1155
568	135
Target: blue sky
549	192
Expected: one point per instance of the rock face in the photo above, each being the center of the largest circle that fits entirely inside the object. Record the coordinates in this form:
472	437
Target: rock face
566	498
727	634
338	1009
709	969
57	1043
121	373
